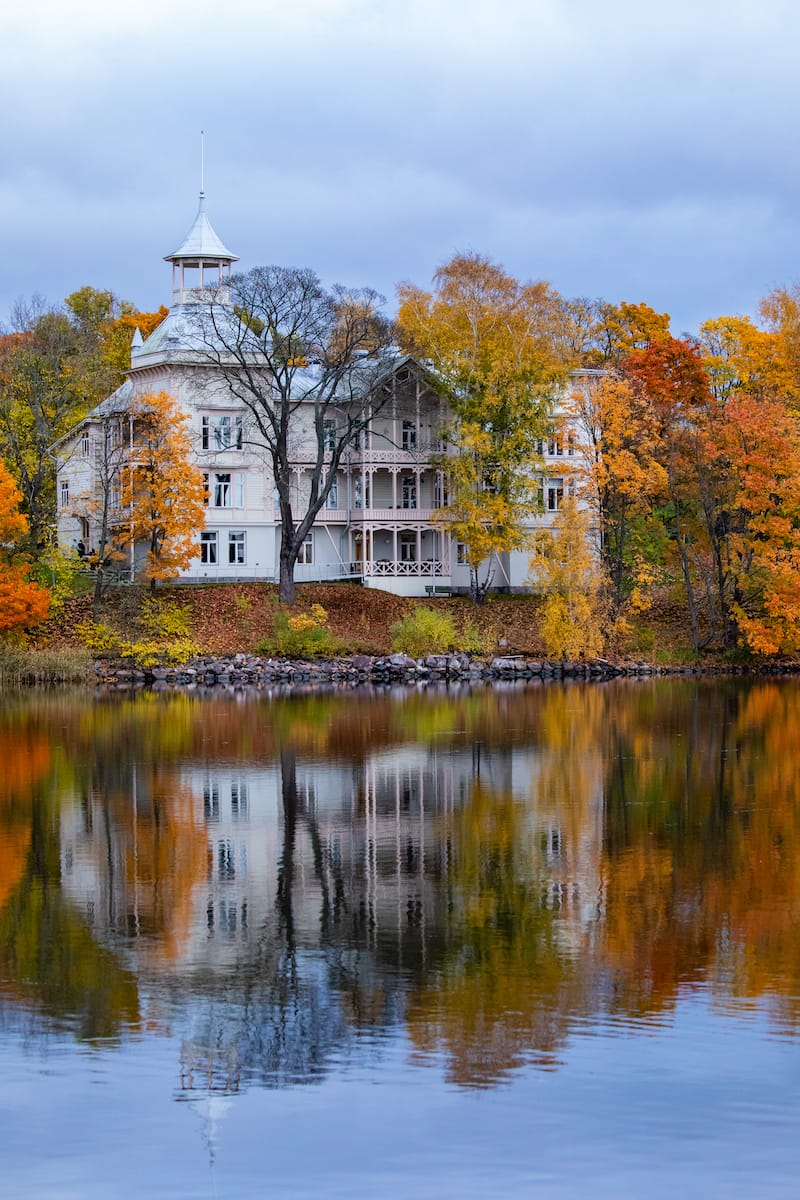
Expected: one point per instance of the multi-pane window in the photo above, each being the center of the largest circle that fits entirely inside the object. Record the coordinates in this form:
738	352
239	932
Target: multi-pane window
440	495
361	491
462	551
408	547
223	494
555	494
85	444
306	554
333	495
409	435
329	433
228	490
221	433
64	492
236	547
409	491
208	547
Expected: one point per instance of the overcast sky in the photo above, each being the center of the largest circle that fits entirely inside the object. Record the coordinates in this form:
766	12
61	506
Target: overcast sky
621	150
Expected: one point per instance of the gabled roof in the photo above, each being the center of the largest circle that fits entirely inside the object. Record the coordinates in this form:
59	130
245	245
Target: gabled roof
117	404
201	241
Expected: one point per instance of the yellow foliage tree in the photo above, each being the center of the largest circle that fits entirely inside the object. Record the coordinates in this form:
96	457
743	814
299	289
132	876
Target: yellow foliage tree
565	569
496	344
162	490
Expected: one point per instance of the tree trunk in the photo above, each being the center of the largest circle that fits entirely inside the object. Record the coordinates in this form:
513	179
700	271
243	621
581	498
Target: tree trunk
687	576
286	589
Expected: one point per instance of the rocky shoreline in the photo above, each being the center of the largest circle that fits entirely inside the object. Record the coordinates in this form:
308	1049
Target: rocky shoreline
245	670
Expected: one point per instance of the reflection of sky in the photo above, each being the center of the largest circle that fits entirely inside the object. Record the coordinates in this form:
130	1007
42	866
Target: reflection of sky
703	1106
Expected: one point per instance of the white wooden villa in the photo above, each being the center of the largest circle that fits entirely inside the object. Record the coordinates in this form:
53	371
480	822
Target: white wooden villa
378	524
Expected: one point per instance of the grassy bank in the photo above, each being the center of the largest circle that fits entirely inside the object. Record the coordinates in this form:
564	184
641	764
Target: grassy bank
225	619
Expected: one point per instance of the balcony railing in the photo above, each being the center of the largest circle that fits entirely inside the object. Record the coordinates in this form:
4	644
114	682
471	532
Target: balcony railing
360	516
428	568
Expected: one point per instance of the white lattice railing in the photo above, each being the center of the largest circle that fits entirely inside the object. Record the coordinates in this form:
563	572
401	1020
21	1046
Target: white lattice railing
428	568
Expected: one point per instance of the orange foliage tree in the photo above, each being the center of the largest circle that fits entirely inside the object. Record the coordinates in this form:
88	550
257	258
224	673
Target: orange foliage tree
760	444
22	603
162	489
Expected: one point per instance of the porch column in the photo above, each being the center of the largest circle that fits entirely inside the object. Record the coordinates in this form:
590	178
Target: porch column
394	487
394	548
419	546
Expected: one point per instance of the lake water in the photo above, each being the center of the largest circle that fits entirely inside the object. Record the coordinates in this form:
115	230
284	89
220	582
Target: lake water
501	942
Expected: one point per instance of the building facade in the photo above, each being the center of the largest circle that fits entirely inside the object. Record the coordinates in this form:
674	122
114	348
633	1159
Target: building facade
377	526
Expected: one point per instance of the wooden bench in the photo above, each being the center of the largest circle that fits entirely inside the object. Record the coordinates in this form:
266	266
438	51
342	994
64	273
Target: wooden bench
437	589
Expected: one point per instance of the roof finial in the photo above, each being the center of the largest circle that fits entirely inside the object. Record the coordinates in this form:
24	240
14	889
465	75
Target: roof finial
202	164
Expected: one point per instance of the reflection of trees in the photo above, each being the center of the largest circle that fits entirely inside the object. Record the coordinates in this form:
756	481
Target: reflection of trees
701	833
48	955
485	866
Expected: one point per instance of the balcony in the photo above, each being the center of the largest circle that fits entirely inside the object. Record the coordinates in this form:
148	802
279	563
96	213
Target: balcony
429	568
373	516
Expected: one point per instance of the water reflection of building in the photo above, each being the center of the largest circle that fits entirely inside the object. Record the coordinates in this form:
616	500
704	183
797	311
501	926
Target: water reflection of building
194	865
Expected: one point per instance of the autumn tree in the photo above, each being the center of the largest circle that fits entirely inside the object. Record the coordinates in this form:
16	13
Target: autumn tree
162	490
617	475
55	365
566	571
597	334
492	341
740	357
671	377
100	506
305	362
22	603
758	447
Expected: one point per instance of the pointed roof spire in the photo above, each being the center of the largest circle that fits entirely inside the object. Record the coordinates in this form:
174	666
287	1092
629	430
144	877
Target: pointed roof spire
202	242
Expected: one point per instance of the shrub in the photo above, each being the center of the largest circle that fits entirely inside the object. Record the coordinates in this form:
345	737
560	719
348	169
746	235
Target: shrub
167	636
305	635
61	572
424	631
99	638
472	641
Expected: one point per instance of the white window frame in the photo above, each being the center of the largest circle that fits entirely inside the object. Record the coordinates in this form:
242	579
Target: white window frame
462	551
85	444
332	499
407	544
237	547
441	497
408	494
328	433
408	435
223	490
228	490
361	493
555	494
209	547
306	555
64	492
222	432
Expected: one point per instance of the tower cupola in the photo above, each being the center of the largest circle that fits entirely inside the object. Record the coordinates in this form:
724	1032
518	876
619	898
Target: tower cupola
201	266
